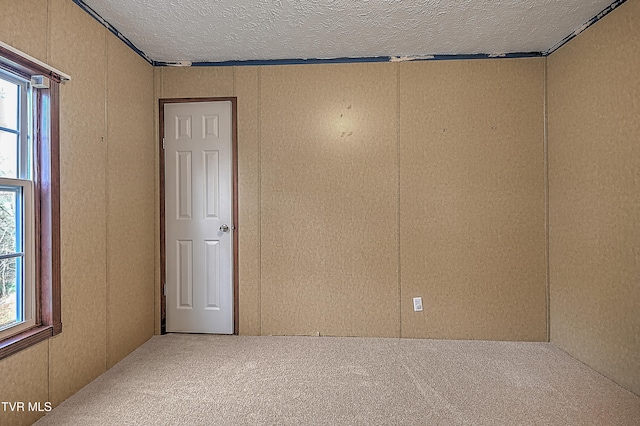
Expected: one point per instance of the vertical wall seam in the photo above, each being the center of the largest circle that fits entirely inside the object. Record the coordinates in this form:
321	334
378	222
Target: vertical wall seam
160	94
546	200
156	214
233	79
47	47
399	274
106	200
259	140
49	370
48	54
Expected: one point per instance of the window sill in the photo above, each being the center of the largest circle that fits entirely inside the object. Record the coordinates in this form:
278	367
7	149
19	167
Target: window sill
24	340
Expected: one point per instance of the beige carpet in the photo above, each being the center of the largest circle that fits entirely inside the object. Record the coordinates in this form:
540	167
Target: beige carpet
229	380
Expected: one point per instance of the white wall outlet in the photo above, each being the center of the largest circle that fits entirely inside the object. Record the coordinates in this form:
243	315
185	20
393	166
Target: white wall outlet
417	304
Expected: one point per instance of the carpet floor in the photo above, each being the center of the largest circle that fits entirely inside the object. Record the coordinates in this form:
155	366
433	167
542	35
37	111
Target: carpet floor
181	379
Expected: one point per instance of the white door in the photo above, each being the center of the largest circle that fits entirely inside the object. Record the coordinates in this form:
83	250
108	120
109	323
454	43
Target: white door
198	217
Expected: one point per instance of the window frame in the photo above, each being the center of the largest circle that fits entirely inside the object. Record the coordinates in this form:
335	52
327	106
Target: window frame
45	146
23	189
22	185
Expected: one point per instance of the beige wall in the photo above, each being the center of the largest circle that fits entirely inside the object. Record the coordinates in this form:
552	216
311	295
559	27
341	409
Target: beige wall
328	196
82	199
107	202
472	212
594	173
364	185
130	201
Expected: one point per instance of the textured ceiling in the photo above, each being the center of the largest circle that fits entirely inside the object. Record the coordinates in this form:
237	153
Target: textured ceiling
231	30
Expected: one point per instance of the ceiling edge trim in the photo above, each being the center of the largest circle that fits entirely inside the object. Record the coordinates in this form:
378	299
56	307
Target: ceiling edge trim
367	59
607	10
113	30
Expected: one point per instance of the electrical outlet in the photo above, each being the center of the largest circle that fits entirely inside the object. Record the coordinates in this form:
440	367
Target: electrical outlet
417	304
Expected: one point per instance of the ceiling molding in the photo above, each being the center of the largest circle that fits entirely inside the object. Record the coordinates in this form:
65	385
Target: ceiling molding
350	60
586	25
113	30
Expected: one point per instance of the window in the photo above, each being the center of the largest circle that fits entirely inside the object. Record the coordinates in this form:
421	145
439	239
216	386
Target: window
29	202
17	262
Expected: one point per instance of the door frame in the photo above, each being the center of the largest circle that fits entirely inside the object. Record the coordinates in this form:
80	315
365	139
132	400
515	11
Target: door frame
234	179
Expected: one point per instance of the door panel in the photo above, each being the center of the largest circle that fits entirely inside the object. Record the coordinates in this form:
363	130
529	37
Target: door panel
198	215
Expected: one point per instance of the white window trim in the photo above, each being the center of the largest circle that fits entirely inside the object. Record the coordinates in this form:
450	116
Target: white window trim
60	74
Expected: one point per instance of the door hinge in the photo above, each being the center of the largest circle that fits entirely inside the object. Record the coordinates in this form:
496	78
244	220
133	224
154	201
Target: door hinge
162	143
164	289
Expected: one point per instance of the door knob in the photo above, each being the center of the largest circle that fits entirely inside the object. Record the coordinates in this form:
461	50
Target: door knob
224	228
